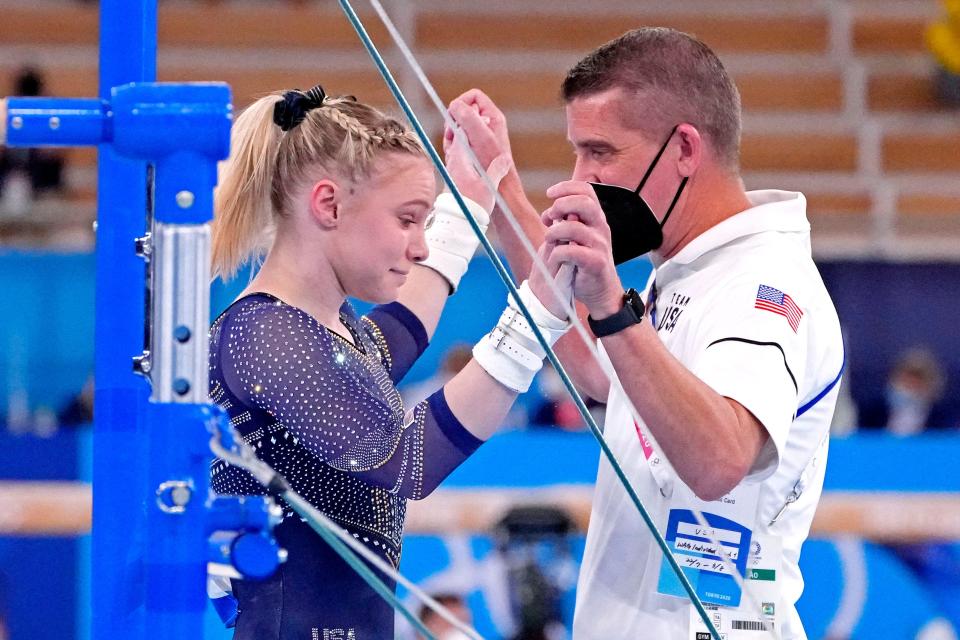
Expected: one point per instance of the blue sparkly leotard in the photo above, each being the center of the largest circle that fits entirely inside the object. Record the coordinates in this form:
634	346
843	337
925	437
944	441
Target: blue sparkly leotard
326	414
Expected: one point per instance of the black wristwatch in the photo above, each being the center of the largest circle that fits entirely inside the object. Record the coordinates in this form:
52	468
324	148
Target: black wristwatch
629	315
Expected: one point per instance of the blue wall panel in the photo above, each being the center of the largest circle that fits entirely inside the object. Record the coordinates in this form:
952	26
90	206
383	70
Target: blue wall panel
46	331
38	576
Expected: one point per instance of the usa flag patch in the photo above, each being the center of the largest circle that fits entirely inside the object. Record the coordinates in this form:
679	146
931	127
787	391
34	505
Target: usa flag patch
776	301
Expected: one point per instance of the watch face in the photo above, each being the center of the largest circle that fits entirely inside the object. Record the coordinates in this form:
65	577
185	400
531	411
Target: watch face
633	299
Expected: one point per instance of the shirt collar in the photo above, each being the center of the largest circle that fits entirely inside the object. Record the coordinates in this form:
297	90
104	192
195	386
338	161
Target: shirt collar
772	210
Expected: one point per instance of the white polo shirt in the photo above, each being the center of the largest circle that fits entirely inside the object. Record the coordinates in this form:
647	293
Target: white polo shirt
744	308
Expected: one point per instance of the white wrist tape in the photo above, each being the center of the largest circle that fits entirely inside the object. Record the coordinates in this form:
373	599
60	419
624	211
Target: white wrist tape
511	353
451	239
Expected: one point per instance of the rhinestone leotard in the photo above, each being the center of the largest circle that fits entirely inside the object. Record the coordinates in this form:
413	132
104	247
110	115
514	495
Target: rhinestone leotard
326	414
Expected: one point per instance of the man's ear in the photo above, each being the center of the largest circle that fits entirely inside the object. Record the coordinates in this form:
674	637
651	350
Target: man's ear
691	149
325	197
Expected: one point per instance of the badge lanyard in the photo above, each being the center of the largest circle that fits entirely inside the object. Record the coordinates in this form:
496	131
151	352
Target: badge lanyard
660	468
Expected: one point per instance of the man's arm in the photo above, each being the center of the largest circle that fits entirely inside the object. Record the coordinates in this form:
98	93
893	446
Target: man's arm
711	441
486	127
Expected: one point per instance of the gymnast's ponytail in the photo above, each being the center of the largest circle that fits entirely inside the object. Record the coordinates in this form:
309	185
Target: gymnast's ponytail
244	217
279	144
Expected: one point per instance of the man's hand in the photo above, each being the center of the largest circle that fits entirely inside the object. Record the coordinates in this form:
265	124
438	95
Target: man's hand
578	235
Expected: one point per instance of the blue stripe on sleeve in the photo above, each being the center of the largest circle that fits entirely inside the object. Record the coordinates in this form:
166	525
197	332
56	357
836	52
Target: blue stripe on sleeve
802	410
451	427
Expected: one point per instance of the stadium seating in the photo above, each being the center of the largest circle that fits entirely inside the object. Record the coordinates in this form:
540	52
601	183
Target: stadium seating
837	96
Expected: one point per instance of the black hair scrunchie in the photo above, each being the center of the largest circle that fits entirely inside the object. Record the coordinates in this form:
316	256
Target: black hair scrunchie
293	108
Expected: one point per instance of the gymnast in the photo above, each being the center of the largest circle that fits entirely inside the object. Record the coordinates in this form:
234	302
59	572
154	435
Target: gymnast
341	200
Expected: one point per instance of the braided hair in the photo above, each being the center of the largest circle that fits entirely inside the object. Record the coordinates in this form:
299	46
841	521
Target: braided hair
277	145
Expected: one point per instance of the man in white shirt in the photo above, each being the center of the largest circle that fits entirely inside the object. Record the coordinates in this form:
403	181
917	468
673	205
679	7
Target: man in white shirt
732	363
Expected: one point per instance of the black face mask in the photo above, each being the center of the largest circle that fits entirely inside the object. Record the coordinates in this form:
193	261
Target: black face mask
634	229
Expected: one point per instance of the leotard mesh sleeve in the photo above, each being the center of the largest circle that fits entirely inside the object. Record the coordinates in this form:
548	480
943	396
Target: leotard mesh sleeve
401	334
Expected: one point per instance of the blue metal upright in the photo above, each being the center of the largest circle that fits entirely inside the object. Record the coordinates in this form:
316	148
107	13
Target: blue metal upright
128	45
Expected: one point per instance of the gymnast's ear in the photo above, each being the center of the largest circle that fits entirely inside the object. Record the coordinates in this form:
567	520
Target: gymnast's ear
325	203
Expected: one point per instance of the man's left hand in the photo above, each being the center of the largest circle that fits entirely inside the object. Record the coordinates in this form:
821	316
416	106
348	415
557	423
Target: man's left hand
578	234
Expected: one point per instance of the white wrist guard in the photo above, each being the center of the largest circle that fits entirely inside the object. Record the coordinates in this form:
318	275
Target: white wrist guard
511	353
451	239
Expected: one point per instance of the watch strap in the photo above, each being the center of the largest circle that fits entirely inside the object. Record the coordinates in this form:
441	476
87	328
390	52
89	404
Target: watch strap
630	314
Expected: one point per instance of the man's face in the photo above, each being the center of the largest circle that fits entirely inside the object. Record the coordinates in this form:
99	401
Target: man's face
609	151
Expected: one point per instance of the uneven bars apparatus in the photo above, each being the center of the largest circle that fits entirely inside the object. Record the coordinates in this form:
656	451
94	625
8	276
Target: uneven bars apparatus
159	145
149	134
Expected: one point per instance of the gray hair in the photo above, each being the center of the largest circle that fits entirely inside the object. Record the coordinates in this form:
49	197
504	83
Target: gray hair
675	77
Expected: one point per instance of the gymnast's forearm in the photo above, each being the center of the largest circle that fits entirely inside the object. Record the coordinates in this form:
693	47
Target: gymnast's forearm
527	217
478	401
580	362
425	293
504	363
575	355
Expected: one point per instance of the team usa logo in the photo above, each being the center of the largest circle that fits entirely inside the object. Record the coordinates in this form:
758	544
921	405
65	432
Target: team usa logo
668	321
